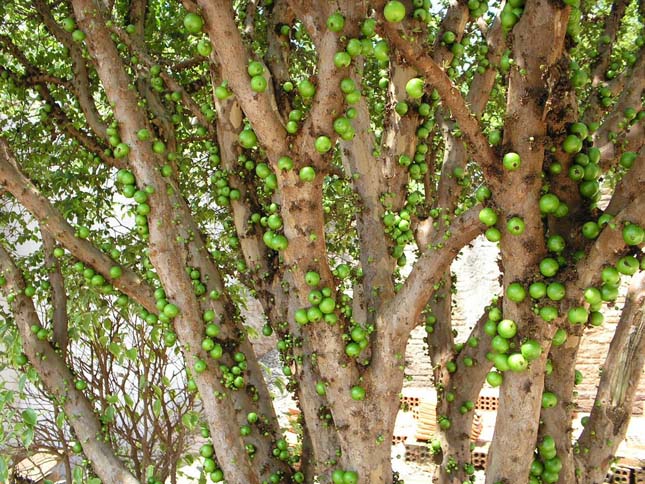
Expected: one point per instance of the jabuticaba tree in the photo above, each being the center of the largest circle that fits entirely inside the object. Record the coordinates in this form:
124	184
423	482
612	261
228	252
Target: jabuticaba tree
305	153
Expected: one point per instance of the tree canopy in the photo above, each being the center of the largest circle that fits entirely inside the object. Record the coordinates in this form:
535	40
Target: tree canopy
163	163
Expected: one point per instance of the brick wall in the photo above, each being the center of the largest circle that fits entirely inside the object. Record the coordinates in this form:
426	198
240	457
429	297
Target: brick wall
477	280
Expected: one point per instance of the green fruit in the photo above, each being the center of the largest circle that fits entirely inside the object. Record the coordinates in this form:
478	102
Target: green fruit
627	159
549	267
559	338
488	217
549	203
495	137
247	138
590	230
549	400
258	84
448	37
537	290
511	161
342	59
627	265
306	88
415	87
579	129
596	318
555	291
515	226
499	344
323	144
78	35
507	328
531	350
115	272
336	22
204	48
193	23
337	476
490	328
170	310
394	11
633	234
516	292
483	193
494	378
578	315
517	362
555	243
350	477
610	275
500	362
357	393
493	235
572	144
307	174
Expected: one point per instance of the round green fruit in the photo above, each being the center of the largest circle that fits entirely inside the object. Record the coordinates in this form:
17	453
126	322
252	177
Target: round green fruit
415	87
336	22
507	328
394	11
511	161
193	23
357	393
517	362
515	226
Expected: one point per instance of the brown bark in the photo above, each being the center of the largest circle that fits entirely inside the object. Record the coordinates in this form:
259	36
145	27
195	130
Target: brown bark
59	296
170	259
622	370
520	394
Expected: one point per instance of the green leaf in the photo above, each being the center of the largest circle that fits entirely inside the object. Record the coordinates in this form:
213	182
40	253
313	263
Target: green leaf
4	470
131	354
129	401
77	475
60	420
94	480
115	349
28	437
30	417
156	407
22	382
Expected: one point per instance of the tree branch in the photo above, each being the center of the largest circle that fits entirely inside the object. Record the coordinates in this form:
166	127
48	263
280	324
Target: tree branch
233	56
81	78
452	99
612	25
59	295
54	223
406	306
621	372
630	97
60	382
